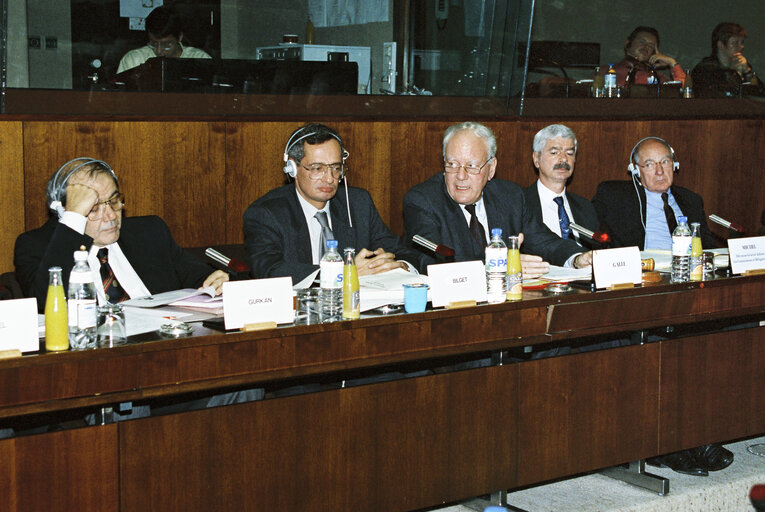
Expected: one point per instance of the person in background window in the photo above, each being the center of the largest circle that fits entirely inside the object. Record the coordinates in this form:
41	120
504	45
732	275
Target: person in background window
723	72
643	58
165	40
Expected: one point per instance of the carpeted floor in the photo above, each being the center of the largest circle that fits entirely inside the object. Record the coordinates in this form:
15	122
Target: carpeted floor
723	491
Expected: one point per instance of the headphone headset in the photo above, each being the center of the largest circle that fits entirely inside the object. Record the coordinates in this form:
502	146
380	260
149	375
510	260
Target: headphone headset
634	169
290	167
55	192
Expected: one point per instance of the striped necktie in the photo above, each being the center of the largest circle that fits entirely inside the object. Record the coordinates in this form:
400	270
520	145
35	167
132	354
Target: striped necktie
565	229
112	289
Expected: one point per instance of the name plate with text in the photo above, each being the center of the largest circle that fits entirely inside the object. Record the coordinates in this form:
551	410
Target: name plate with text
455	282
18	325
616	266
257	300
746	254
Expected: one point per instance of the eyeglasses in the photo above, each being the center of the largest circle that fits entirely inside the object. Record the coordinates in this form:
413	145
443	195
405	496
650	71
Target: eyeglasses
116	203
166	46
650	165
317	171
454	167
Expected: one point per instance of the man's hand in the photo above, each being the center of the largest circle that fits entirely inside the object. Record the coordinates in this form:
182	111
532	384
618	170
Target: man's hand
80	198
368	262
659	60
583	260
216	280
532	266
739	64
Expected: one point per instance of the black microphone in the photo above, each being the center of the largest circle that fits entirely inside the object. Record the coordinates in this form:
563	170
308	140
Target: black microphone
600	238
441	250
234	264
738	228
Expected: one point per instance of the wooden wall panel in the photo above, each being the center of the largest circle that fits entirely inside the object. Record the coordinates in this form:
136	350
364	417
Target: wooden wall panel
11	190
61	471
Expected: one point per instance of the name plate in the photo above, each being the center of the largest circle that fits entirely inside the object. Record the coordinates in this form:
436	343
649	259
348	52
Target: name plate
455	282
746	254
257	300
616	266
18	325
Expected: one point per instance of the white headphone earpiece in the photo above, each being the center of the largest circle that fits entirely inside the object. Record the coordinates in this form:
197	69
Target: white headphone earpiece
633	168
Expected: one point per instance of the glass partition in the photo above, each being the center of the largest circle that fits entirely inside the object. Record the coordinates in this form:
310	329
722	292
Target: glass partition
497	50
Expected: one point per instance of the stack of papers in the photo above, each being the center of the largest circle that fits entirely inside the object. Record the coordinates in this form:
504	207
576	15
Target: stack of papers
387	288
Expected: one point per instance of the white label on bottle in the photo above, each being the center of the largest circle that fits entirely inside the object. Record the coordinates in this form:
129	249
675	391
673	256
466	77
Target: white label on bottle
81	277
82	313
331	274
496	259
681	245
610	81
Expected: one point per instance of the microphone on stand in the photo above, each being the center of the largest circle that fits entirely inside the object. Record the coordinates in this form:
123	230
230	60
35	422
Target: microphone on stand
234	264
441	250
599	238
738	228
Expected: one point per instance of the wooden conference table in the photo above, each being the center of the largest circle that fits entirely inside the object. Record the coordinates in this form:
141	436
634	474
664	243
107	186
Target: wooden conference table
396	445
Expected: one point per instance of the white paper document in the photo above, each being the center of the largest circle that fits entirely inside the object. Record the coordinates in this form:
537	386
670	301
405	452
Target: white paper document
386	288
165	298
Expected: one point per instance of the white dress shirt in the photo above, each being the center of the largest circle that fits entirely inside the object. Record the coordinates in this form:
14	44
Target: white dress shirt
314	228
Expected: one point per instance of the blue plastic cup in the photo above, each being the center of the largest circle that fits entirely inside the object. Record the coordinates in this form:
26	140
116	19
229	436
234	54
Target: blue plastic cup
415	297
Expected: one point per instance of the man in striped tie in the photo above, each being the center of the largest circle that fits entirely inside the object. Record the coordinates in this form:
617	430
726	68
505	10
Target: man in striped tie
129	257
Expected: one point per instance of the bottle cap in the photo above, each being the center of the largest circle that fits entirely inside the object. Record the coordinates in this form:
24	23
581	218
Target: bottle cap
496	232
349	249
682	219
331	244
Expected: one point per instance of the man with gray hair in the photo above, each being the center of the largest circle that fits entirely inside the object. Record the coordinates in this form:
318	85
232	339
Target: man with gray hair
460	205
554	158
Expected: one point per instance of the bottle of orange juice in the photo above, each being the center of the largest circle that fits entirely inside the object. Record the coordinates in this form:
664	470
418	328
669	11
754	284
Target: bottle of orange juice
514	270
697	270
56	319
351	293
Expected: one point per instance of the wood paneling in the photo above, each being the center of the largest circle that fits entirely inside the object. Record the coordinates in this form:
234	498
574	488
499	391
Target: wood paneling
12	196
201	176
712	389
336	450
598	409
61	471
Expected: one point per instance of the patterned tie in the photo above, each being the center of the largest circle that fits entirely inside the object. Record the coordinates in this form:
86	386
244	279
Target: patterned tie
326	233
565	230
112	289
476	228
669	213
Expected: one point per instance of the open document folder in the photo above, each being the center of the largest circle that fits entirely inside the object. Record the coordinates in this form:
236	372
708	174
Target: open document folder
387	288
559	275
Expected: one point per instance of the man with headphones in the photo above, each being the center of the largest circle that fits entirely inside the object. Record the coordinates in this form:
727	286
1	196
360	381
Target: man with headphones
285	230
139	252
643	211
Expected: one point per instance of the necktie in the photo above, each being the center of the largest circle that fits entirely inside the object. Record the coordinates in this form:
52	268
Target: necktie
565	230
326	233
476	228
669	213
112	289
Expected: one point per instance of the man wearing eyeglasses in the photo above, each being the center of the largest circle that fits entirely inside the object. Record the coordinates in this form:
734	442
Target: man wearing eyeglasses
285	230
644	211
130	257
459	206
163	28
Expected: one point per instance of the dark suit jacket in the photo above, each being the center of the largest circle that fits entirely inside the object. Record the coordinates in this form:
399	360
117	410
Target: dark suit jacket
146	241
582	210
620	212
430	212
278	243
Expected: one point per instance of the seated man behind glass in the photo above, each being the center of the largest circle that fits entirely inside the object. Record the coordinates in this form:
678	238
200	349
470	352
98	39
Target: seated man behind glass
642	58
163	28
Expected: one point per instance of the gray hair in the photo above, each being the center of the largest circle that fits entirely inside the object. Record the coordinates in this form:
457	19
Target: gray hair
553	131
477	129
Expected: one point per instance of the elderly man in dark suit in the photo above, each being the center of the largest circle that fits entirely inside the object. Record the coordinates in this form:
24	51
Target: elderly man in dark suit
460	205
139	252
286	229
554	157
644	211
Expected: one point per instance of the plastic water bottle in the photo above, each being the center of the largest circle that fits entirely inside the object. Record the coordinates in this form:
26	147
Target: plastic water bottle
81	304
496	268
697	268
610	82
331	278
681	251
